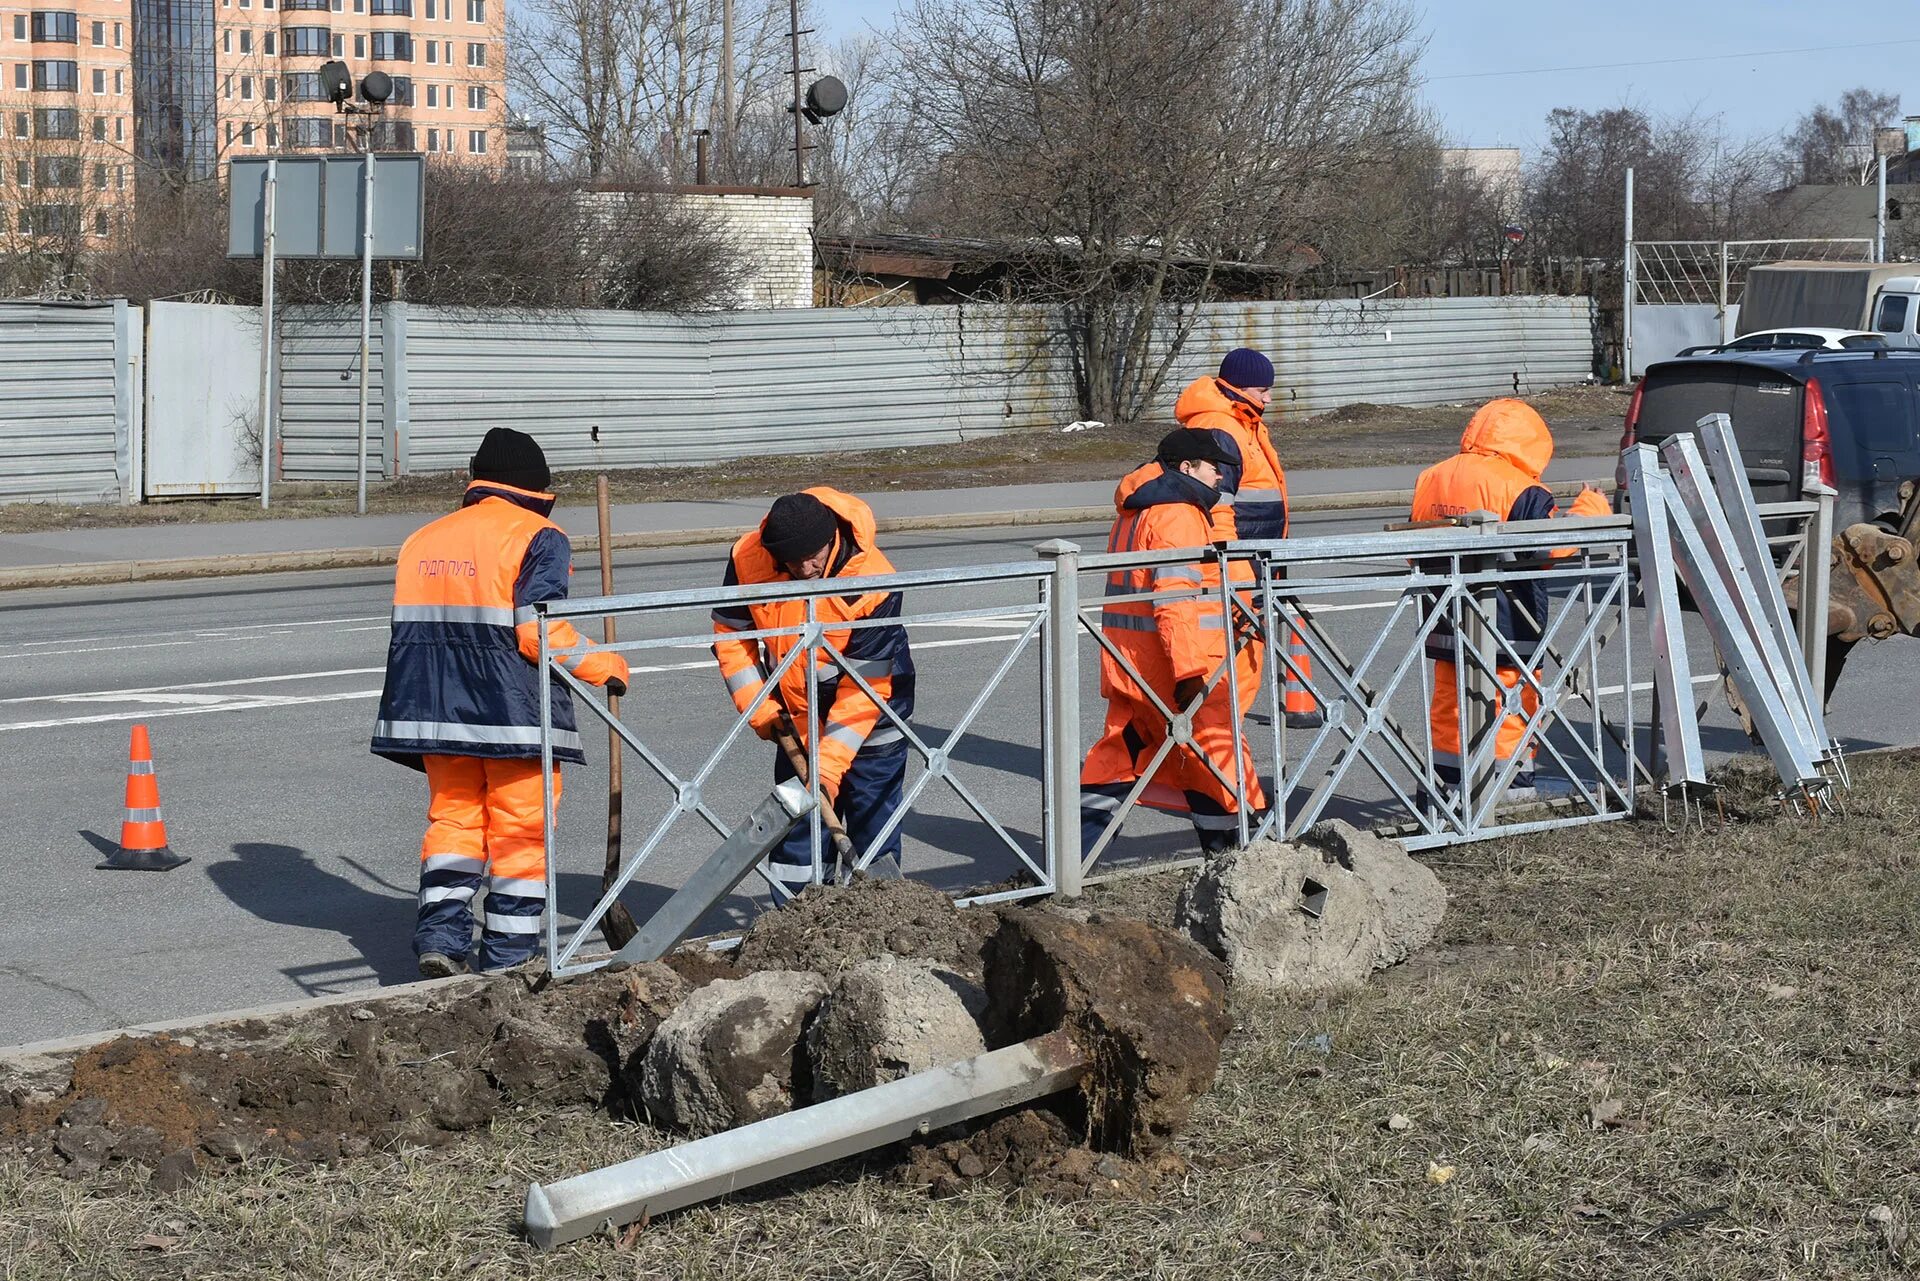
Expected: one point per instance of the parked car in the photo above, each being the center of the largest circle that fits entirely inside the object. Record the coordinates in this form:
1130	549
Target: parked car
1846	418
1806	338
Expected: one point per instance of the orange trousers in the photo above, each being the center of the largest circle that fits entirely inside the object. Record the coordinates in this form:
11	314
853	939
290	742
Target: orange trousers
485	821
1443	723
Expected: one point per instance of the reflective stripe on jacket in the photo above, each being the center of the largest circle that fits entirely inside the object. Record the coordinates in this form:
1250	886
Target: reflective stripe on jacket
1178	635
849	719
1503	453
1258	506
461	677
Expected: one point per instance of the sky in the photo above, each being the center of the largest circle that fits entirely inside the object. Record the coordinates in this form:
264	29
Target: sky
1785	61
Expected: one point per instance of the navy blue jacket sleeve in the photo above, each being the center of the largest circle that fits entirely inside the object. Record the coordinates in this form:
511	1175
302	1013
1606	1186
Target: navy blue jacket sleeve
544	569
1534	503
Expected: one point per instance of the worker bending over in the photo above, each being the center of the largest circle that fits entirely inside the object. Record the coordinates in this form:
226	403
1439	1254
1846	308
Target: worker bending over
1503	453
1176	642
1254	503
462	703
823	533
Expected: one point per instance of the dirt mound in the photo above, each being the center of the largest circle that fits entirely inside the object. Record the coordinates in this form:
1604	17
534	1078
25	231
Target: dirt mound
345	1080
830	929
1151	1004
1034	1151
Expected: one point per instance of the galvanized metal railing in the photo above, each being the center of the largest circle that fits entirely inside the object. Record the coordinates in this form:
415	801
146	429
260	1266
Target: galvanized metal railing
1574	695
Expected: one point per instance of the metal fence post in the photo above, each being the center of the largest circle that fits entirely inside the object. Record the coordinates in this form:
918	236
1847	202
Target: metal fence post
1816	582
1060	735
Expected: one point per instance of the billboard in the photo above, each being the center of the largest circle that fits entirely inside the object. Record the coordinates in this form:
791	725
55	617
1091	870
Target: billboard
316	206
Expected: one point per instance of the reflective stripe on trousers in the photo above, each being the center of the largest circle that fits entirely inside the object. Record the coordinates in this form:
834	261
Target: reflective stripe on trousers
485	821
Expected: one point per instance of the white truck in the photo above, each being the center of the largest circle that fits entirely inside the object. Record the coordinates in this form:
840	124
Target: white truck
1881	297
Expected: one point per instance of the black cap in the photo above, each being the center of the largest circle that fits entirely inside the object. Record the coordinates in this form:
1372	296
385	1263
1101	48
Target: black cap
1195	445
797	526
509	457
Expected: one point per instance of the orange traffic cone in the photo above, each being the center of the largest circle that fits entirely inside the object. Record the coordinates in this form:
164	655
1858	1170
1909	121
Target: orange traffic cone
143	836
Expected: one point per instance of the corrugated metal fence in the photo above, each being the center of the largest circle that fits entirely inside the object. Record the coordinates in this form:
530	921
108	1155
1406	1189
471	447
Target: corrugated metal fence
621	389
69	401
624	389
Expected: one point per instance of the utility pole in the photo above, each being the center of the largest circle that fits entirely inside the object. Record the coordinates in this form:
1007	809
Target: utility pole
726	90
799	102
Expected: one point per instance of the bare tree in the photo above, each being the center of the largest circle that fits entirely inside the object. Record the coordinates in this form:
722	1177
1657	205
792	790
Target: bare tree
65	191
621	85
1835	144
502	242
1132	146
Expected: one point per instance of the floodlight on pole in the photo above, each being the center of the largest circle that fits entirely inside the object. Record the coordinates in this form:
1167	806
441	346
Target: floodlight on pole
376	87
337	80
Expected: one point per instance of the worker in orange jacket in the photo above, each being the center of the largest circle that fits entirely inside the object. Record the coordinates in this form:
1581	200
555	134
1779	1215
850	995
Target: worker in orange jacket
1255	498
823	533
1503	454
1176	642
462	703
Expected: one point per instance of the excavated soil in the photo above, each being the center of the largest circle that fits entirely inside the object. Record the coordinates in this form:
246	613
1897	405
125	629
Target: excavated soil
345	1080
425	1068
830	929
1035	1152
1149	1004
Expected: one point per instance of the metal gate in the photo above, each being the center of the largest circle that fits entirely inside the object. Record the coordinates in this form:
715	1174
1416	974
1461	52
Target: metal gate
1687	293
203	400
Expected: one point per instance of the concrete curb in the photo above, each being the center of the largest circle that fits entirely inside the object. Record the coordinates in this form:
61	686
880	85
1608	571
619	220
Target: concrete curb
143	571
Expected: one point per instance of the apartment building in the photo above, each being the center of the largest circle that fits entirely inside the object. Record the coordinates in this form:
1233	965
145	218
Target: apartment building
96	90
66	98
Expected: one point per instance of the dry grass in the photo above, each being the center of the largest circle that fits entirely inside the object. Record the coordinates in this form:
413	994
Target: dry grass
1586	421
1747	997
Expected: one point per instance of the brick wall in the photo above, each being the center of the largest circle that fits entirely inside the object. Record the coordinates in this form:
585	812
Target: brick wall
775	234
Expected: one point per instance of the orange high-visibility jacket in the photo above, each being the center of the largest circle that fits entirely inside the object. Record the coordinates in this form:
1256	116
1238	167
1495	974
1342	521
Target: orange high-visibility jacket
1503	453
461	679
1171	638
1256	507
849	719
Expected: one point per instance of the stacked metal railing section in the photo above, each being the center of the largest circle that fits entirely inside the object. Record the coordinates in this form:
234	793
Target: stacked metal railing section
1697	526
1372	760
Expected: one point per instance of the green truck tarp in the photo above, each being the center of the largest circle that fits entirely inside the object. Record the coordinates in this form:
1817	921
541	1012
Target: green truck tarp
1822	295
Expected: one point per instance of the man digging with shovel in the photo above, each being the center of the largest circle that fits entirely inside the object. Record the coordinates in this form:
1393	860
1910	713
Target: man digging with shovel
822	533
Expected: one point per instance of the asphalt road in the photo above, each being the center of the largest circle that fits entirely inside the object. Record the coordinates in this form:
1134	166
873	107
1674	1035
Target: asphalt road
260	692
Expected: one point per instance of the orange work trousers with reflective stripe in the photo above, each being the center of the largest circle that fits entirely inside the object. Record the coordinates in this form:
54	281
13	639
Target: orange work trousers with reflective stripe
1443	722
485	824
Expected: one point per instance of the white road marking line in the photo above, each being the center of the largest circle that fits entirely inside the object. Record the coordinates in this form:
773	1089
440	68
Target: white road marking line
238	627
256	705
270	702
185	685
103	649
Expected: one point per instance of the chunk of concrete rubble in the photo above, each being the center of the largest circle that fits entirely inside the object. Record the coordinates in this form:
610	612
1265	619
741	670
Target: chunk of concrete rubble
730	1053
890	1017
1316	915
1150	1005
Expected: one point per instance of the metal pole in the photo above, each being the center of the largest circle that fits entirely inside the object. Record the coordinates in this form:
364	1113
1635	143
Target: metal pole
1626	291
1880	217
726	89
1062	748
1816	583
366	321
799	136
1727	321
266	338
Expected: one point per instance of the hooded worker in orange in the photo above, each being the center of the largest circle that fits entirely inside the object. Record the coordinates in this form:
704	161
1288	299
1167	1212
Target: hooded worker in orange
1254	496
1175	642
462	703
1503	454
